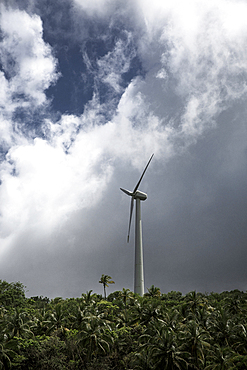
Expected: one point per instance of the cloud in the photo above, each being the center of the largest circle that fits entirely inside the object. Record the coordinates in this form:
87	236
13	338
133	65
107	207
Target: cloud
117	62
27	61
96	7
28	69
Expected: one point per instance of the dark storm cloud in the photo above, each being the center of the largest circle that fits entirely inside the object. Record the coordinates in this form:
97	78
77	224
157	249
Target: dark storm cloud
108	84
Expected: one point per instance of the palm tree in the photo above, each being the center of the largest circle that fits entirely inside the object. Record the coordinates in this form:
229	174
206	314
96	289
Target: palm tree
41	322
194	302
165	351
220	358
170	319
78	317
95	337
105	280
126	295
88	297
195	341
18	325
56	320
150	311
240	338
221	326
7	353
153	292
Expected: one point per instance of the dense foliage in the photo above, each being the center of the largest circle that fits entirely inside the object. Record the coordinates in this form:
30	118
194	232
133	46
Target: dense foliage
124	331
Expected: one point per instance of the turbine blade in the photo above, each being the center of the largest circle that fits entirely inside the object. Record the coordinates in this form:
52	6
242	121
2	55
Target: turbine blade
131	211
126	191
137	185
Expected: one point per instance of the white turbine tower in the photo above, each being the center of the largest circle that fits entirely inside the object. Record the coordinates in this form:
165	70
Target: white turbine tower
138	196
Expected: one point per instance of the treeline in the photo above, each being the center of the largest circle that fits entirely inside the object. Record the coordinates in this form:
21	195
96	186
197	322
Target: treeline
123	331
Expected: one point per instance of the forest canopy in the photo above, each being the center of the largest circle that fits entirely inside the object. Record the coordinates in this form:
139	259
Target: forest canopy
123	331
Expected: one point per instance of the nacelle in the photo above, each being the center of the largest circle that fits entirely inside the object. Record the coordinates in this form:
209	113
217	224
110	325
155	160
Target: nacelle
140	195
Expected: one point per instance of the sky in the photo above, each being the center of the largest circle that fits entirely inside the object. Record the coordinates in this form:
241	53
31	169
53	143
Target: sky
89	89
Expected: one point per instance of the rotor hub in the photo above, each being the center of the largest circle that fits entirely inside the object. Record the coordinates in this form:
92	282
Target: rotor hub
140	195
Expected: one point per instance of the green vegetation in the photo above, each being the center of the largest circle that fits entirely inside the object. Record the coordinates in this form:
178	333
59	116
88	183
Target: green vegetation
125	331
105	280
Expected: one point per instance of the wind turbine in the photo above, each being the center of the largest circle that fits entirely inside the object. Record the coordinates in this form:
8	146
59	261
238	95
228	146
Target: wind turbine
137	195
